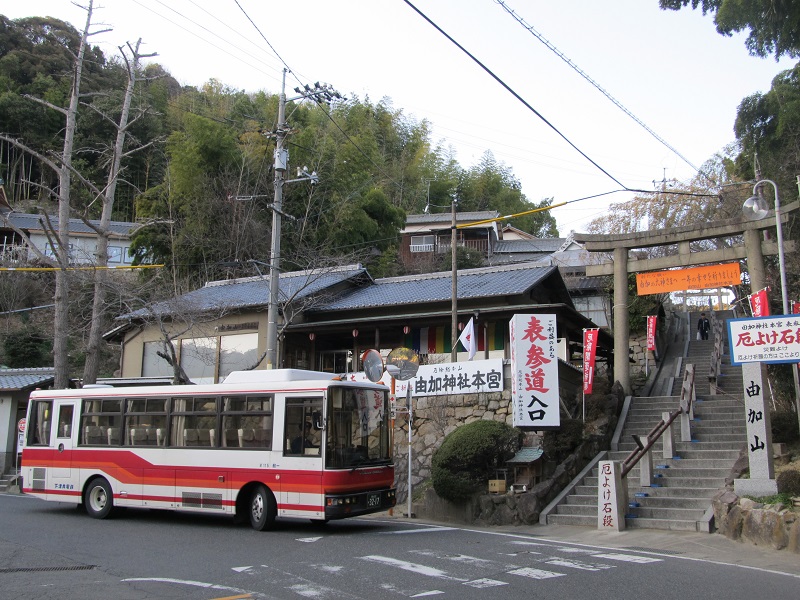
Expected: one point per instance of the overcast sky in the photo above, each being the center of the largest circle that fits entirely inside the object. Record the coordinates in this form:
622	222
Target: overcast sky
671	70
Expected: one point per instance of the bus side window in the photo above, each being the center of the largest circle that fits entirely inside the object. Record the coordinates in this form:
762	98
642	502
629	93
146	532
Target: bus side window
65	421
39	426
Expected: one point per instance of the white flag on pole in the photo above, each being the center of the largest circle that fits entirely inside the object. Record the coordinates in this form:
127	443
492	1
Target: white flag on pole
467	339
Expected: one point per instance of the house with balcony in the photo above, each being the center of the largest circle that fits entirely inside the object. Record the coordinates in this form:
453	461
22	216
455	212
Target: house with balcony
82	239
427	238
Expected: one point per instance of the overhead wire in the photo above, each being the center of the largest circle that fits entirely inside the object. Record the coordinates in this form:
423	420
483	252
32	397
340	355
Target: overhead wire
515	94
594	83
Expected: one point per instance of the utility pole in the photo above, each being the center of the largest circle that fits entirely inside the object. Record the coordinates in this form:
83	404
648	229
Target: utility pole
319	93
454	278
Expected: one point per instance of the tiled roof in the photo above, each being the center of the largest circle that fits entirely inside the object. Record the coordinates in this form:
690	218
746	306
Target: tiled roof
251	292
434	287
25	379
32	222
526	455
447	217
537	245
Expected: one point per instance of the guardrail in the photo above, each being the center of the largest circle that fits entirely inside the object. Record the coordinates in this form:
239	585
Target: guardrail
715	366
686	413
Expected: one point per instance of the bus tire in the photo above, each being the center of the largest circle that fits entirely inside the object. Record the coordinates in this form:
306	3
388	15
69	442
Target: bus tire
262	508
98	499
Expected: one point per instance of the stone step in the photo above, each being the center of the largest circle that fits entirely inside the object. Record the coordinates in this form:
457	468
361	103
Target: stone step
649	501
672	482
655	492
664	524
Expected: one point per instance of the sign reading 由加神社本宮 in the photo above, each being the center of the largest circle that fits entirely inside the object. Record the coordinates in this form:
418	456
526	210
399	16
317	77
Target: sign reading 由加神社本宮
696	278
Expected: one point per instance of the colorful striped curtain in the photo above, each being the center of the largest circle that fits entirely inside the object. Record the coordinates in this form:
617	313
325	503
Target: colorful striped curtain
436	340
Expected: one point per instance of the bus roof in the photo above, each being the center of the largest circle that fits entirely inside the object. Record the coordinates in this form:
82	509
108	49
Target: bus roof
277	375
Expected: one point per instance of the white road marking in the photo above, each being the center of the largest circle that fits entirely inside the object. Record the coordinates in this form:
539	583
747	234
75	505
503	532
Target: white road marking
426	530
461	558
309	540
574	564
484	583
413	567
241	569
202	584
535	573
431	593
628	558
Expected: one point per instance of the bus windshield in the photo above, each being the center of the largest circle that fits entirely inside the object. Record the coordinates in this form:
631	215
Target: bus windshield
357	428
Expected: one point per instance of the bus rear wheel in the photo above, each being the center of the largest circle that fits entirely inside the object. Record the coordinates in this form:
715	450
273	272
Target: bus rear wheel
262	508
98	499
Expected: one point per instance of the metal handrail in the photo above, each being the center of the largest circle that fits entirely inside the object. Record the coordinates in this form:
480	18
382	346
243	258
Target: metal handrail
687	395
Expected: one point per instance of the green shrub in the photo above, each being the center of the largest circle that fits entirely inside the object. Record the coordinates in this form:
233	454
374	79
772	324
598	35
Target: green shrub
468	457
784	427
789	482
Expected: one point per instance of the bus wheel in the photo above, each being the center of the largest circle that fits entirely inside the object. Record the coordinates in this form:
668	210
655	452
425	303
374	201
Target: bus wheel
98	499
262	508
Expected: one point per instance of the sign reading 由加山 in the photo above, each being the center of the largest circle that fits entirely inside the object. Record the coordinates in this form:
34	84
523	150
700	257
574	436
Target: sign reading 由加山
534	371
695	278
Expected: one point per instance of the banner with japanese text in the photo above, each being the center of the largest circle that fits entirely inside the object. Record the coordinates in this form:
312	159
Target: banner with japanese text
589	354
466	377
759	303
651	332
695	278
772	340
534	371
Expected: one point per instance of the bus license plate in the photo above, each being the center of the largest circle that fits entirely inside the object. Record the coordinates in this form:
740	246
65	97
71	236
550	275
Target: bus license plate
374	500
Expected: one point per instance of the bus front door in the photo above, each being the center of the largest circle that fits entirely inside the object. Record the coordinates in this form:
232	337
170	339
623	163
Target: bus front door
63	473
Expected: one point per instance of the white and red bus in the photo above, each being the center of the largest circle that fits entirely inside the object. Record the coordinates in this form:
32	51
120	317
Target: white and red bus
261	445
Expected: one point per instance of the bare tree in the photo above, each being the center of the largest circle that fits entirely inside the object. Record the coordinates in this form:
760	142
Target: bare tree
103	230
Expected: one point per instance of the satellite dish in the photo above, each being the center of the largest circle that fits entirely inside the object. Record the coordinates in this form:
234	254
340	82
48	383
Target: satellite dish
755	208
373	365
403	363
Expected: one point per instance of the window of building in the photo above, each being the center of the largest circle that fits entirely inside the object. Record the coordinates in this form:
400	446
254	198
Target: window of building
423	243
236	353
152	364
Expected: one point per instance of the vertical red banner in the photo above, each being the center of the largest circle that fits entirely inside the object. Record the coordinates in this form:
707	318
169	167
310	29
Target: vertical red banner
651	332
759	303
589	353
795	308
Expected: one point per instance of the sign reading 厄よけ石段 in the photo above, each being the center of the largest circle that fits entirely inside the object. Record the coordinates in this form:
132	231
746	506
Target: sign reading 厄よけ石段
534	371
765	339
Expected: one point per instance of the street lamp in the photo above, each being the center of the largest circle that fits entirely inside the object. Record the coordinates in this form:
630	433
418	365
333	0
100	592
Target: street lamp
754	209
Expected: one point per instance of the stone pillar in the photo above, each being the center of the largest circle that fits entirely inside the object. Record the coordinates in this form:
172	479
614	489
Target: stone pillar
612	497
759	437
622	372
755	259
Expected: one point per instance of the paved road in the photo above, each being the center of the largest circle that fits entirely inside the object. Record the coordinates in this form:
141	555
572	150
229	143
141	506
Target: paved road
50	550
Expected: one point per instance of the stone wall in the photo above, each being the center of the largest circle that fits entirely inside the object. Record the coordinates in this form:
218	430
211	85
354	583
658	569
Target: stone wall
746	520
434	418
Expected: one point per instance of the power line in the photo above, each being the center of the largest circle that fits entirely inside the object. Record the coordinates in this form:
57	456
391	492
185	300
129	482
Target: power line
594	83
516	95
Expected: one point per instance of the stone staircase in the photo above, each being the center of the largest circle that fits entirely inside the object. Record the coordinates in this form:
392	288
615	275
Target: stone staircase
679	497
7	481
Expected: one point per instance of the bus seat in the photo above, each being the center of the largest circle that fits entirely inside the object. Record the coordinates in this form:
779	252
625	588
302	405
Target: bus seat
93	435
246	438
212	438
231	439
261	436
203	437
113	436
138	436
65	430
152	436
190	437
161	435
